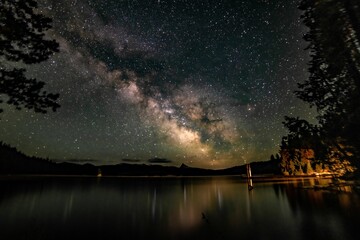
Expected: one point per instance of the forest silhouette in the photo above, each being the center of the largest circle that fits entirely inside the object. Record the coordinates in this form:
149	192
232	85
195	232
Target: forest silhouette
333	86
14	162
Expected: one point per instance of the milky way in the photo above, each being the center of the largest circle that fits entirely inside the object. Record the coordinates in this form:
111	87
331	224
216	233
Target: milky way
205	83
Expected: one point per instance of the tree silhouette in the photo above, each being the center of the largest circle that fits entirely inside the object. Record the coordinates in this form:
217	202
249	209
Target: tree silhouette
22	41
333	86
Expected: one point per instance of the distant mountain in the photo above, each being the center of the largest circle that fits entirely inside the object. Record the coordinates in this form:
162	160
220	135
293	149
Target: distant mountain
183	165
14	162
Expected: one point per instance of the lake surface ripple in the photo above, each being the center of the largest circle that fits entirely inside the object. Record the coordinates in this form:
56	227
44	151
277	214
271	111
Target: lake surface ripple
173	208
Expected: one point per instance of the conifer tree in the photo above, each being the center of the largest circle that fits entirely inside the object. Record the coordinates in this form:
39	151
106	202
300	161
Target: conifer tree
333	87
23	42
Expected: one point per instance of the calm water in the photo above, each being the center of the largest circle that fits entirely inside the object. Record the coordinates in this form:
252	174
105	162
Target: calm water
173	208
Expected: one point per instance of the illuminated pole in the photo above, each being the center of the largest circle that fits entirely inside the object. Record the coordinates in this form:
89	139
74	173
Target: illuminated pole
249	177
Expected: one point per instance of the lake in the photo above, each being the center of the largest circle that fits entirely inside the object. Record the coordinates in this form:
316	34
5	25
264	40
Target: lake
173	208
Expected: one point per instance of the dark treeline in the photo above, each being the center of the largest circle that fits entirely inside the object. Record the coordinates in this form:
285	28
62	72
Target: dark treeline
13	162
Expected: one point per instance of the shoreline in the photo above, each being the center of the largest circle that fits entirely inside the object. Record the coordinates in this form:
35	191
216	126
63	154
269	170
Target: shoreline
257	178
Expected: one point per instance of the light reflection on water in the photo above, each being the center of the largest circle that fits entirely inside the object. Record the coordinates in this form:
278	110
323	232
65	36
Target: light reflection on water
173	208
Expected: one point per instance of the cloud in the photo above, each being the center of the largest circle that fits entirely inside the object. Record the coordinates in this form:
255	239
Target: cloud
81	161
159	160
130	160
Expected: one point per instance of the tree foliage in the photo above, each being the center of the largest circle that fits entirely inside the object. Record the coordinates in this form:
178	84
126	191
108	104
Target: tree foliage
23	42
333	86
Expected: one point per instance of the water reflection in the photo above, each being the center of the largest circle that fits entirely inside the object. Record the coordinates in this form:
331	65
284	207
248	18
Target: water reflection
173	208
323	214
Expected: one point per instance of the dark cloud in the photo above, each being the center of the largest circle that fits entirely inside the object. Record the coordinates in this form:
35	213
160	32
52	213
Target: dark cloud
81	161
159	160
131	160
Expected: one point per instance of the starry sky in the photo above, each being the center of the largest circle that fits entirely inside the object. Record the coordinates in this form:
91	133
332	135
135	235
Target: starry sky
205	83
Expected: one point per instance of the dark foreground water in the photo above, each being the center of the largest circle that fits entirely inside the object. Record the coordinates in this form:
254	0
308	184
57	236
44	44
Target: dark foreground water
173	208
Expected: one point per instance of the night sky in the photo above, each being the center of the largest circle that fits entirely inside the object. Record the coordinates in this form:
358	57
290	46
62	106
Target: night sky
205	83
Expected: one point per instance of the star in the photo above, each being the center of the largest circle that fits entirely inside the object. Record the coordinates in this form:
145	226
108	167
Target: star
196	82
